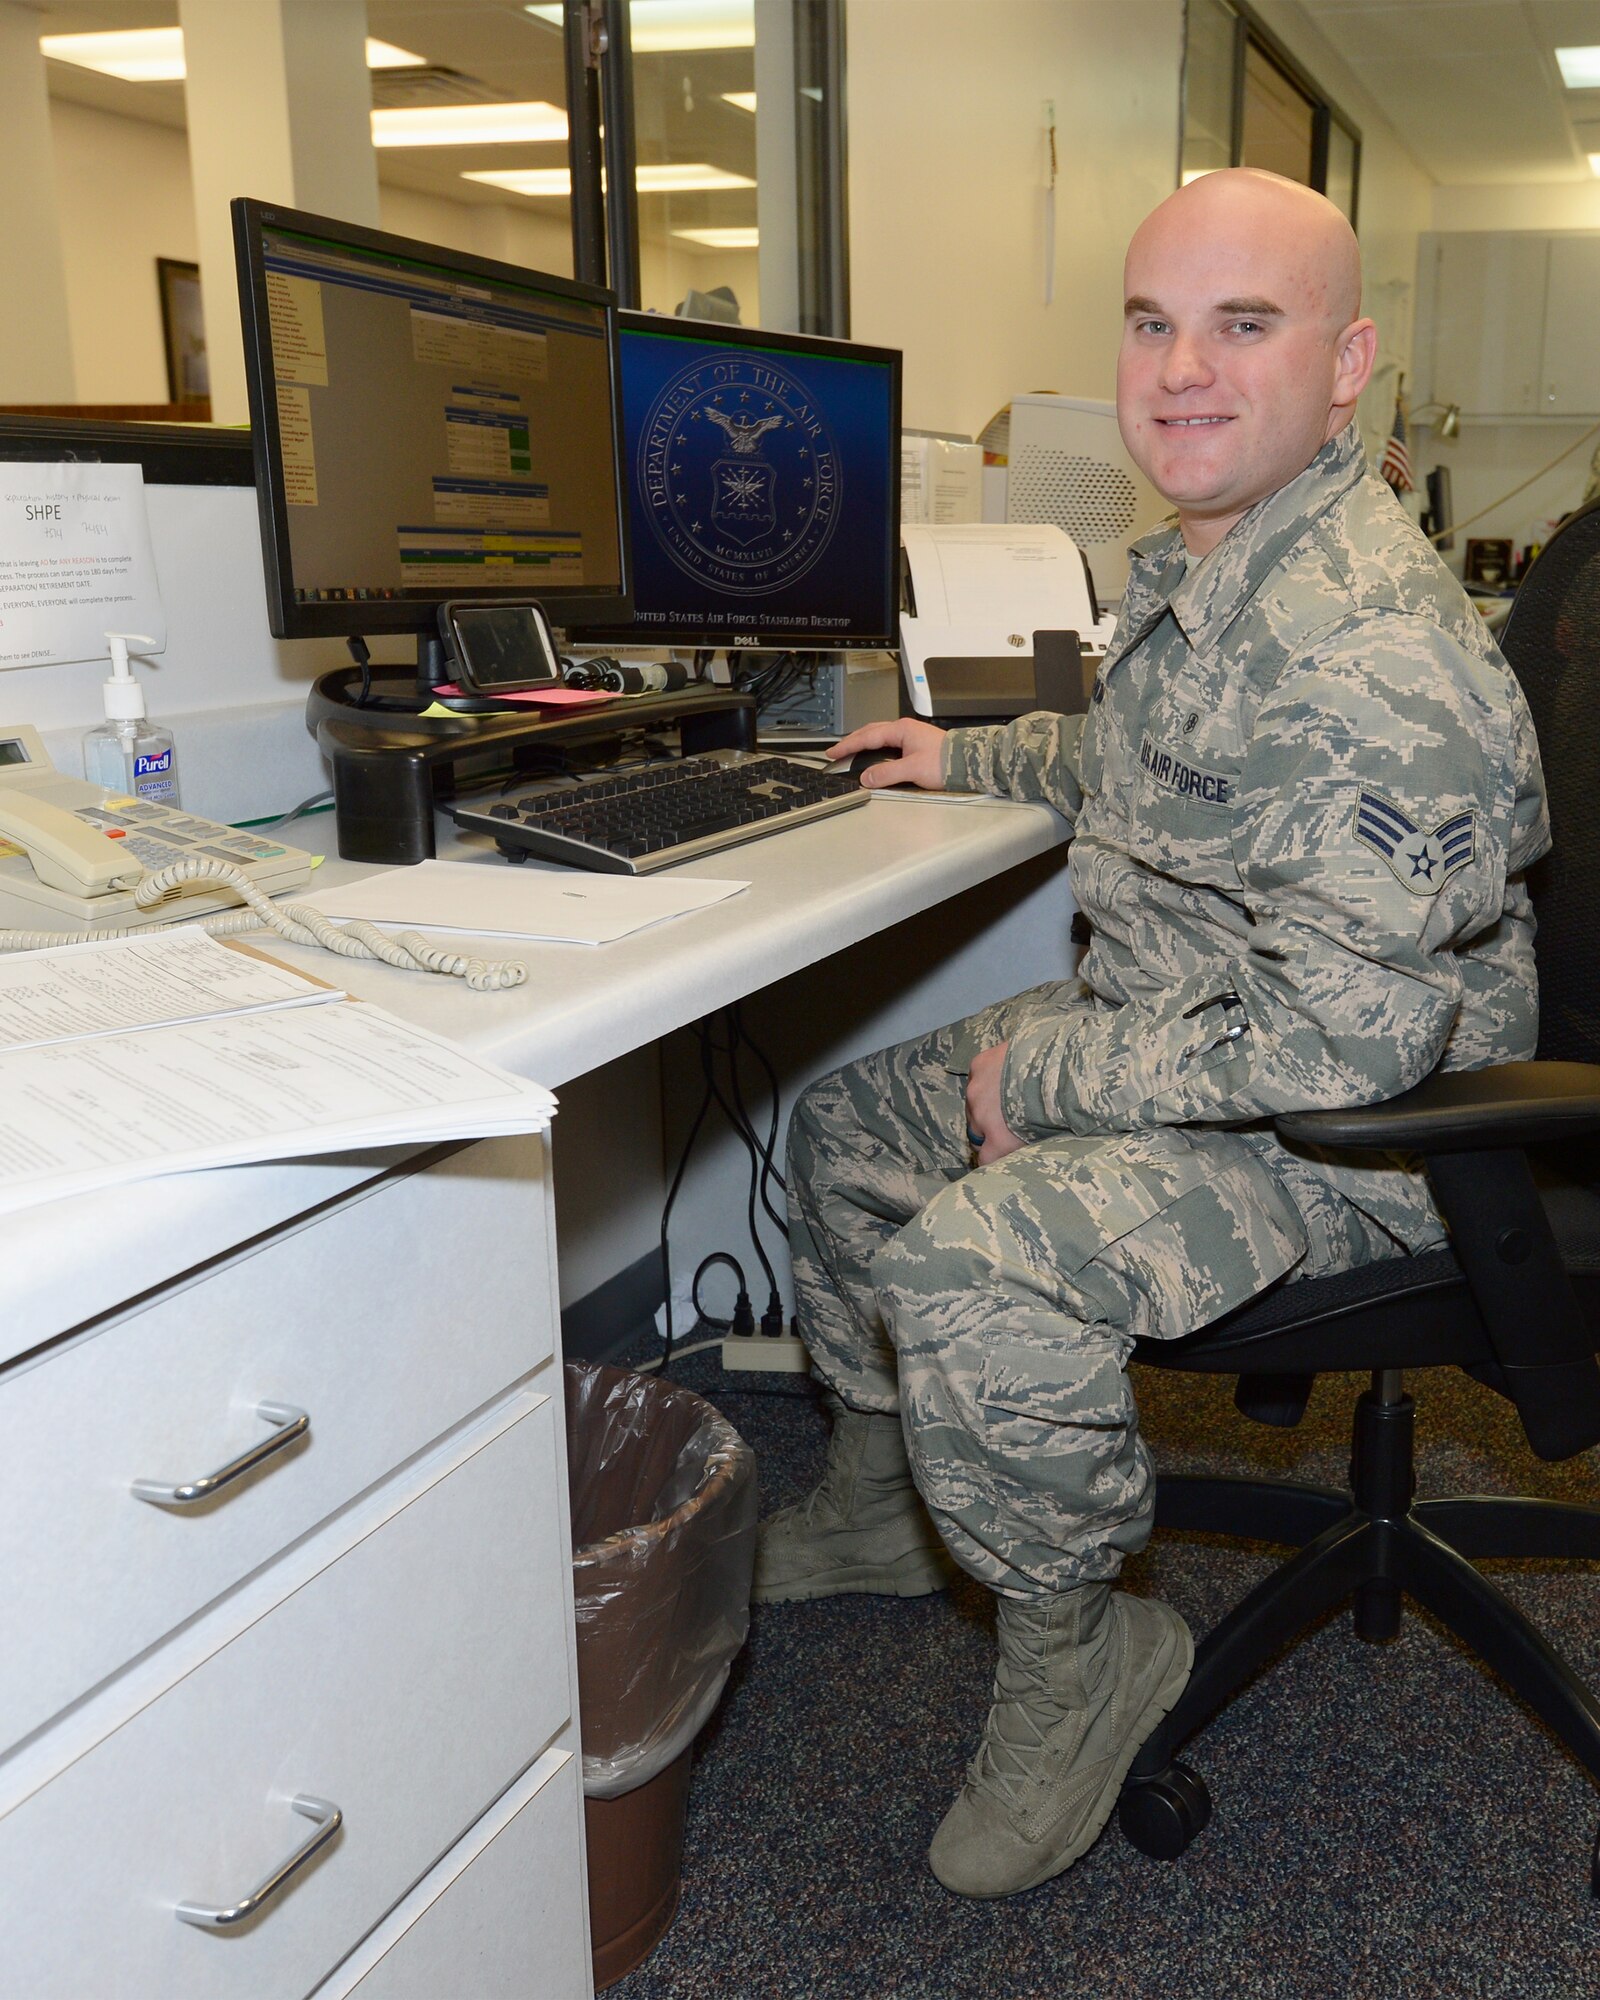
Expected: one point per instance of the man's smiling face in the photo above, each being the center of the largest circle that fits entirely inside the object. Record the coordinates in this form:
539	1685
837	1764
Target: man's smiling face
1241	353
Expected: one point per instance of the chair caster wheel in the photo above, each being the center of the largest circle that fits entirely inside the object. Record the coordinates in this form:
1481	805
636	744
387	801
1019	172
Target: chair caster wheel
1161	1815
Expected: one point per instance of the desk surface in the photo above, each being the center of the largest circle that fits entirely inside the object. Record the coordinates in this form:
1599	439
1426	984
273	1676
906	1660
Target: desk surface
814	890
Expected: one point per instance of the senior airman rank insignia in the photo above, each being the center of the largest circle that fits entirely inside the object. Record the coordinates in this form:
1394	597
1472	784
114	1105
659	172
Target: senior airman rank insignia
1421	862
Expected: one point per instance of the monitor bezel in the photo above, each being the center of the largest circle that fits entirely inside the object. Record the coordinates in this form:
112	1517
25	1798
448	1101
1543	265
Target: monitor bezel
702	636
289	618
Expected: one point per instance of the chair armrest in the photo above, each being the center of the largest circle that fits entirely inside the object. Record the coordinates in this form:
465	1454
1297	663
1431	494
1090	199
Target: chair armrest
1465	1111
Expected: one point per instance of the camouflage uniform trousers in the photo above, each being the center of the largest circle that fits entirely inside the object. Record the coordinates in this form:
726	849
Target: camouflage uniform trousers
996	1307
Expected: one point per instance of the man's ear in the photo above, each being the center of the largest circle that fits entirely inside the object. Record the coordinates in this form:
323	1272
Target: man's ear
1357	351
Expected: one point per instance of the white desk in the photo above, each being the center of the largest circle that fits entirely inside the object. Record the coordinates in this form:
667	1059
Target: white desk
383	1617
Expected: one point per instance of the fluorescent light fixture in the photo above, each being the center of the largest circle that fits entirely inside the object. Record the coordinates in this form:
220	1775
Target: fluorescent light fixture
722	239
469	125
657	26
155	55
687	178
1580	68
136	55
743	100
526	180
384	55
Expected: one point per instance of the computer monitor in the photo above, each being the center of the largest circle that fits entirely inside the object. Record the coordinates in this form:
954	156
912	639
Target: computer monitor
427	425
763	482
1441	514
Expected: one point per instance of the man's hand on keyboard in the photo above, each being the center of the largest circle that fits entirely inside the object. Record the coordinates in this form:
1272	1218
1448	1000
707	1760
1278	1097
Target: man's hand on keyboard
914	753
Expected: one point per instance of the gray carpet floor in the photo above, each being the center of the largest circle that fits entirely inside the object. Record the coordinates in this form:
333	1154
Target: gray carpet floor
1389	1823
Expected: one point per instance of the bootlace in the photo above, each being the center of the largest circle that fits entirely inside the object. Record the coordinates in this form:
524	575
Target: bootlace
1021	1716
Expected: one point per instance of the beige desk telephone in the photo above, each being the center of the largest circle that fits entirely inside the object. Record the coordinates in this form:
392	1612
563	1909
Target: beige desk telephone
84	852
79	849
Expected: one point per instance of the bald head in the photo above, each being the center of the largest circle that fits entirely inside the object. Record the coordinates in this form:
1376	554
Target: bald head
1243	350
1299	233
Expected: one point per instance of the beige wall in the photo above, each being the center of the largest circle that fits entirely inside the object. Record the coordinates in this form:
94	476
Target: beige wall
946	188
1560	205
123	188
125	200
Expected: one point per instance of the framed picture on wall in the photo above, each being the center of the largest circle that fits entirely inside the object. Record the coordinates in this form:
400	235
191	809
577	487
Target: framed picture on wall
183	331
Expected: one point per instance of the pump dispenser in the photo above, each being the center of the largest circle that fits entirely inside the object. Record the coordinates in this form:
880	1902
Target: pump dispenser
127	752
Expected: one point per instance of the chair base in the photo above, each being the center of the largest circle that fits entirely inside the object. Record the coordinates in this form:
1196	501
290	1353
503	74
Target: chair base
1375	1547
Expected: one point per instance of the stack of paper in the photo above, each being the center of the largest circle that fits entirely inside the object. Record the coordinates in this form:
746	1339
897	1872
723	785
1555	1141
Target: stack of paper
130	1057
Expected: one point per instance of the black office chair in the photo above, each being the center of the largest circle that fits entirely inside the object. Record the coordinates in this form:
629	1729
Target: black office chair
1515	1301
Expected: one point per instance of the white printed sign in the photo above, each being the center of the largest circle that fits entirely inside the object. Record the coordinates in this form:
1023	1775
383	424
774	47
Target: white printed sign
75	562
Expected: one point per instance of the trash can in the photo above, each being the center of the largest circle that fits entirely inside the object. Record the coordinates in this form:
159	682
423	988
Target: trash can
663	1493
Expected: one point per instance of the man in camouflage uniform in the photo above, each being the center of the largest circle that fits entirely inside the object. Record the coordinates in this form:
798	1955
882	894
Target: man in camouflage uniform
1302	802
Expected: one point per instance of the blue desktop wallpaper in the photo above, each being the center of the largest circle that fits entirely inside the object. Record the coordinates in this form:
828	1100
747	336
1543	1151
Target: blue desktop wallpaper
761	485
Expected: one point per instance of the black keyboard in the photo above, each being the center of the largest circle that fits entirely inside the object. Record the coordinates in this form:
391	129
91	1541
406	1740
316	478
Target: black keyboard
650	818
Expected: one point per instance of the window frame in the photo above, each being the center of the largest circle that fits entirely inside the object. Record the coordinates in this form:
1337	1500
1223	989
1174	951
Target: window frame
600	128
1250	31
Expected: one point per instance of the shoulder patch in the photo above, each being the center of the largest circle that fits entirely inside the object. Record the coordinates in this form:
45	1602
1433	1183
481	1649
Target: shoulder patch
1421	862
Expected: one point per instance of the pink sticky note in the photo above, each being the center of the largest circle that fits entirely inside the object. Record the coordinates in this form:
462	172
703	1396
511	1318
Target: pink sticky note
543	697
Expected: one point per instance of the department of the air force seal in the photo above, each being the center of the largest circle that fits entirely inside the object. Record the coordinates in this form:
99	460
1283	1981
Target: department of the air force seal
738	470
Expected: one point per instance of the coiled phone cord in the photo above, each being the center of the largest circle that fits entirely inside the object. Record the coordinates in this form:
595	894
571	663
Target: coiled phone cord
295	923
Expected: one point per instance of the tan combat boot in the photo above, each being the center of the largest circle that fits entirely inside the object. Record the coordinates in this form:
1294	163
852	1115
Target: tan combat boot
863	1529
1084	1676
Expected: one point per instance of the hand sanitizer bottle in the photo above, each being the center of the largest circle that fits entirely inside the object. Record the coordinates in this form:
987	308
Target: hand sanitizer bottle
126	752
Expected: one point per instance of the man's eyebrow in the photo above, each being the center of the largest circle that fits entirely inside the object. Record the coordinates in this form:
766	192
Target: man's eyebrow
1256	308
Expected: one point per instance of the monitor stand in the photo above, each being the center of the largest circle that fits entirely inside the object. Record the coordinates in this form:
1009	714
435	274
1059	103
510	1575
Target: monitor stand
433	665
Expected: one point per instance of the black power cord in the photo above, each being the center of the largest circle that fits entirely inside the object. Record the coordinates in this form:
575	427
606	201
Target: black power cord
761	1150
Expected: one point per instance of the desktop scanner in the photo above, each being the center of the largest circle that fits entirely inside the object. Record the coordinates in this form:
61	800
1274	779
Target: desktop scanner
974	596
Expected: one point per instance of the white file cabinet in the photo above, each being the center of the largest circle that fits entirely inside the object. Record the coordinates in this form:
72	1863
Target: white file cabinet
288	1695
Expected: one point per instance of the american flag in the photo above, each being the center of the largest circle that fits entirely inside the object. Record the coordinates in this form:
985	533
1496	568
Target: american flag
1395	464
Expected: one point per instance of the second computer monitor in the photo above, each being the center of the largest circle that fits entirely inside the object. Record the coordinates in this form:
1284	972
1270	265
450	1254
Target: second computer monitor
763	486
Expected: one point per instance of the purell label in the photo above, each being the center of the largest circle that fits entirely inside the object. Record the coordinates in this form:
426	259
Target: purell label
153	767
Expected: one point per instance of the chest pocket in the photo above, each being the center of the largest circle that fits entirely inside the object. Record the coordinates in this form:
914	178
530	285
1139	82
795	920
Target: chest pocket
1188	759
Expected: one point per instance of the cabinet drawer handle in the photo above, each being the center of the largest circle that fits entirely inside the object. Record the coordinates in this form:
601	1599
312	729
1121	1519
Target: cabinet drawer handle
287	1425
328	1820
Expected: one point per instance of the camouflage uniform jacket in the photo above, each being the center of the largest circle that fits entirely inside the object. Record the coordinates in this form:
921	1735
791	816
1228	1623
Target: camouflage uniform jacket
1303	800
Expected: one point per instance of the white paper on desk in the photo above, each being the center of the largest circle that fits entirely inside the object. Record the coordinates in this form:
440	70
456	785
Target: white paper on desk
110	986
243	1087
493	899
75	562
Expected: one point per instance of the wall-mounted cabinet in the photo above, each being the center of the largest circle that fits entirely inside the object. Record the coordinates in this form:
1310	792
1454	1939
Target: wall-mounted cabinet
1508	324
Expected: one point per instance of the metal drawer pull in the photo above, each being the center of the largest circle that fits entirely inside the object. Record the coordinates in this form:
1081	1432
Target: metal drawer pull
328	1819
287	1425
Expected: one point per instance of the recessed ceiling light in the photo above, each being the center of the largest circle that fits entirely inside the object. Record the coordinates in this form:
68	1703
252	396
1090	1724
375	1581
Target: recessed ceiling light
1580	68
136	55
685	178
155	55
722	239
469	125
526	180
656	26
745	100
1594	164
384	55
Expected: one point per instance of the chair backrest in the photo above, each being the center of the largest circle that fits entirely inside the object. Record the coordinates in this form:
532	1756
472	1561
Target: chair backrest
1552	640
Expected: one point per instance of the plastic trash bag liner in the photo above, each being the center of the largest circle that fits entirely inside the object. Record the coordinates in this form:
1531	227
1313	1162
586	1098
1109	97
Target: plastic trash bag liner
663	1492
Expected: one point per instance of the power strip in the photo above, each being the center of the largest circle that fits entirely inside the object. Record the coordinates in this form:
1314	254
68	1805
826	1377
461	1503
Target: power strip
762	1353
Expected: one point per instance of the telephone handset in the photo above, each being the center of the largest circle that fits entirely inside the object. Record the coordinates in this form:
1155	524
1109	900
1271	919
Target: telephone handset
110	863
81	850
66	852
